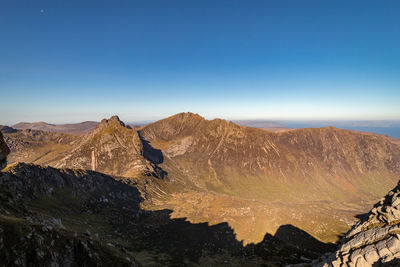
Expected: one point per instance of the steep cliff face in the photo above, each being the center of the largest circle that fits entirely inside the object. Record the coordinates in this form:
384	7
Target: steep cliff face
4	151
374	240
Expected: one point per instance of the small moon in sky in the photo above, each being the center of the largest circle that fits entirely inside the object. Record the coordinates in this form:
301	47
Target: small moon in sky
42	11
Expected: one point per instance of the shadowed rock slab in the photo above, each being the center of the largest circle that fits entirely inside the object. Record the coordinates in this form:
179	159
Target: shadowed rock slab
4	151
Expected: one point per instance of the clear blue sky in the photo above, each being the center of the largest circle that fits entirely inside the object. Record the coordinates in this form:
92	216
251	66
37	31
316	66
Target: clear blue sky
69	61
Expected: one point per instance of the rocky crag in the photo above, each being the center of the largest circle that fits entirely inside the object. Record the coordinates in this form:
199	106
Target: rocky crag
112	148
374	240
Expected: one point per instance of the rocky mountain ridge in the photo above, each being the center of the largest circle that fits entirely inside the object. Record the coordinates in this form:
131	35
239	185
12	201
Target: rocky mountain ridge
222	156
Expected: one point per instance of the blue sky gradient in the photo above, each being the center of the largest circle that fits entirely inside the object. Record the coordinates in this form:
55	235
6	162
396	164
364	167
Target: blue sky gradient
70	61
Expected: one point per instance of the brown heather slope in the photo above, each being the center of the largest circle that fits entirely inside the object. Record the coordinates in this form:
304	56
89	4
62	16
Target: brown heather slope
216	171
33	146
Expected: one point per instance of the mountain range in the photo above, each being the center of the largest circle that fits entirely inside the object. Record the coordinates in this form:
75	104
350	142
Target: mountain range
75	217
216	171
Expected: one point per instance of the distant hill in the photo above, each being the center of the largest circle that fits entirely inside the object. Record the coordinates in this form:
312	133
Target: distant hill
74	128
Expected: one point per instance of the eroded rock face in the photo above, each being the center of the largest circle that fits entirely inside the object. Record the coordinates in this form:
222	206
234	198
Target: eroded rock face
375	240
4	151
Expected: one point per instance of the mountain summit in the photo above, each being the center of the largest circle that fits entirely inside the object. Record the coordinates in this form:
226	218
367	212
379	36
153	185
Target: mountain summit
111	148
114	120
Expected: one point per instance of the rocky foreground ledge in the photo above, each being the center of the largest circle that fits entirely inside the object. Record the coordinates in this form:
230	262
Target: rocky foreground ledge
375	240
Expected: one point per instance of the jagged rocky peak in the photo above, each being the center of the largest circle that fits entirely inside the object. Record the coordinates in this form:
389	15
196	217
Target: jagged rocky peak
114	120
4	151
181	123
374	240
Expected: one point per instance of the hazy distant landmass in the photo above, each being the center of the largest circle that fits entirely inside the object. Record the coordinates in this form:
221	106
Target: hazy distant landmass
74	128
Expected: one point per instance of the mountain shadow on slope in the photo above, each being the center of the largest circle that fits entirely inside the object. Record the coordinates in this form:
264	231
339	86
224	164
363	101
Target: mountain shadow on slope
100	217
150	153
155	156
294	236
392	263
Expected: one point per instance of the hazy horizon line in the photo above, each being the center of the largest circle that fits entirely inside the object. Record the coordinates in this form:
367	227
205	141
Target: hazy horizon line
141	121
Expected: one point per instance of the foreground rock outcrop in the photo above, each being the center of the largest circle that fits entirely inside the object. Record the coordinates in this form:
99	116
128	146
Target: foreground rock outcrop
375	240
